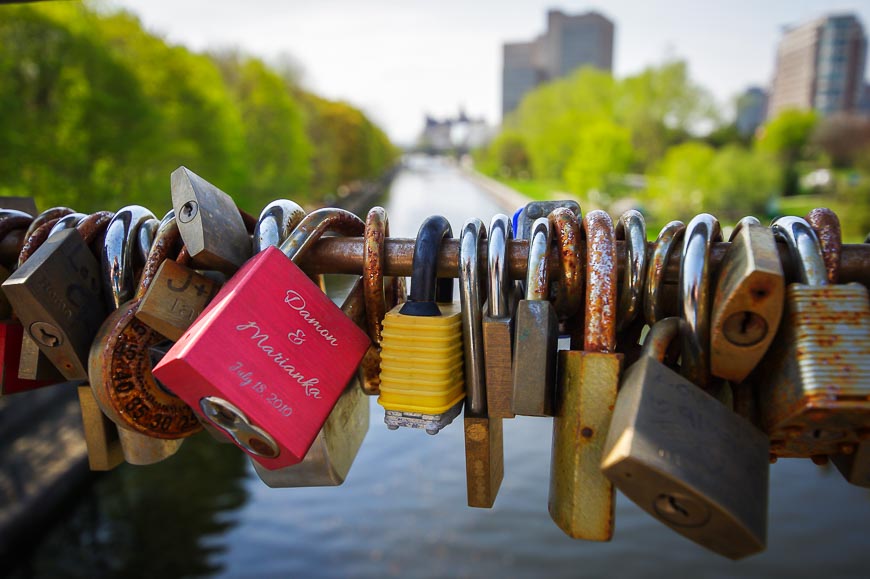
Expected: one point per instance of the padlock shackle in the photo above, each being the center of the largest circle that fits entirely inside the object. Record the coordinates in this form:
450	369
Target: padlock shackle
472	315
116	257
537	274
566	228
376	231
48	215
315	224
694	301
826	224
660	337
277	220
500	232
94	224
426	288
804	250
166	241
599	333
668	239
631	227
748	221
66	222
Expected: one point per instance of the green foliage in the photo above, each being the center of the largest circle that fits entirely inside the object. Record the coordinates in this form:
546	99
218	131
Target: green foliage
787	137
96	112
602	151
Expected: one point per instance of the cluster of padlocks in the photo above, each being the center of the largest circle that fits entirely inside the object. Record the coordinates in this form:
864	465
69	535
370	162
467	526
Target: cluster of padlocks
211	318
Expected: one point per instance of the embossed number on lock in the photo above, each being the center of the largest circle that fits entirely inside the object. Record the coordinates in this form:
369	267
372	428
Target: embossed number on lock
280	350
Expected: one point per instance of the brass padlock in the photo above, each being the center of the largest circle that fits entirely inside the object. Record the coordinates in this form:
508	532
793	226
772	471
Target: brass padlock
58	299
582	499
536	333
814	383
747	305
101	434
210	223
686	459
328	461
422	383
694	291
484	449
175	299
498	326
116	256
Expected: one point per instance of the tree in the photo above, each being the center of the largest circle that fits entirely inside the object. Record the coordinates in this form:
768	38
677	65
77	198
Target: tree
786	137
603	150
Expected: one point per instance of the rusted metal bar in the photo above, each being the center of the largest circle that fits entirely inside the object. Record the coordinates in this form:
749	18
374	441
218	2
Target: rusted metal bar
345	255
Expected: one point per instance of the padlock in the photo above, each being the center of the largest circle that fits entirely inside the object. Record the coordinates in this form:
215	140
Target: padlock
119	366
49	215
13	226
631	228
686	459
855	466
566	292
144	240
498	334
535	333
422	383
175	298
747	304
273	346
694	296
210	224
376	231
11	333
814	382
826	226
538	209
328	461
101	434
669	238
69	221
58	297
582	499
116	255
484	448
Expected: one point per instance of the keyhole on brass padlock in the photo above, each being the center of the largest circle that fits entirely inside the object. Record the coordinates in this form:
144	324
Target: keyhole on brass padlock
45	334
744	328
188	211
680	510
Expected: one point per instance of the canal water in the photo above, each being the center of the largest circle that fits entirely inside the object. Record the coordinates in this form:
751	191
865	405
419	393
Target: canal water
402	512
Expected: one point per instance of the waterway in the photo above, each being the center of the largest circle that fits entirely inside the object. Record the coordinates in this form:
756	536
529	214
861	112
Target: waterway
402	512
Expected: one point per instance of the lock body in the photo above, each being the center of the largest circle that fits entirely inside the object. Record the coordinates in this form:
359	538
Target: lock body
175	299
534	369
422	384
11	334
748	302
855	466
328	461
814	383
274	346
686	459
101	434
498	358
581	498
209	223
57	296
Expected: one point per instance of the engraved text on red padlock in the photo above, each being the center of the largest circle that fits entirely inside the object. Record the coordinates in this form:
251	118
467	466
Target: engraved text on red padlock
275	346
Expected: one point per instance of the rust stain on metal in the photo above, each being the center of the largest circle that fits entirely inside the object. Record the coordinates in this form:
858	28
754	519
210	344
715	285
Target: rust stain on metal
600	332
35	240
569	286
827	227
52	214
377	228
93	225
12	220
315	224
164	245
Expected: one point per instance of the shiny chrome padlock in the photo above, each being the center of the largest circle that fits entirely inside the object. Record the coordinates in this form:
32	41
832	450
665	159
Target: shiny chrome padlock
484	448
210	223
535	333
272	345
498	322
684	457
422	383
116	256
814	383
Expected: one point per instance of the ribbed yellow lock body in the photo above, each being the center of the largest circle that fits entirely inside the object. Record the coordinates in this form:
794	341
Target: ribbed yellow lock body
422	382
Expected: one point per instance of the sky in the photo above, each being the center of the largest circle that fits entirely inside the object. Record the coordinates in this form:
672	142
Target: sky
402	59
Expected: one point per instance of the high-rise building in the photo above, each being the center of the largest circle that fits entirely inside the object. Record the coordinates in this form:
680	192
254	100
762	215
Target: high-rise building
820	66
751	109
569	43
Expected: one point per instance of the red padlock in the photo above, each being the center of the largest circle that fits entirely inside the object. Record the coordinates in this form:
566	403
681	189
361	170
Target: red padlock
267	360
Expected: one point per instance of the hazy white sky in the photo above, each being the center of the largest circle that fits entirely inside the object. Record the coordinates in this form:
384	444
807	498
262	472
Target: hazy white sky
401	59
